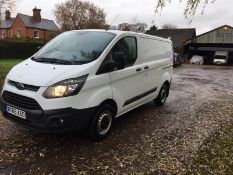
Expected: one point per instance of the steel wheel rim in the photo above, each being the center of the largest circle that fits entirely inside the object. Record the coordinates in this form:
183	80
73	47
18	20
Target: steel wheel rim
104	122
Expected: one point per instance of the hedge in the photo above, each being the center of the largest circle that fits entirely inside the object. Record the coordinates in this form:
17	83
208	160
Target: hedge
18	49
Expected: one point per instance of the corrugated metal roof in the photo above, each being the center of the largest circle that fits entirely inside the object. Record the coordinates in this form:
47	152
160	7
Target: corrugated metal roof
178	36
44	24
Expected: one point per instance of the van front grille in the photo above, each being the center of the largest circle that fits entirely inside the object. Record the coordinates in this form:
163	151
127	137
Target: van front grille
20	101
25	86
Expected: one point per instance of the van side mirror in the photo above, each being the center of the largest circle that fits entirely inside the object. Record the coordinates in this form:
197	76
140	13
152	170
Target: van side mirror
119	59
108	67
117	62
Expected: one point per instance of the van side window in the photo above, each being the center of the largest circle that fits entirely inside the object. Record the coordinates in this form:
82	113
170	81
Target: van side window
127	45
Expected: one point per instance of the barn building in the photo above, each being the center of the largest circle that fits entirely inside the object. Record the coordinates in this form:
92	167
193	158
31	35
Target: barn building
217	43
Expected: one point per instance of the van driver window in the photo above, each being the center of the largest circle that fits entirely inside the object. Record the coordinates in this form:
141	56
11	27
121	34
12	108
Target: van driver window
128	46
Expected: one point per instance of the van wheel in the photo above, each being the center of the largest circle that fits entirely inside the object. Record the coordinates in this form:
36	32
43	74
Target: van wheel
101	123
162	97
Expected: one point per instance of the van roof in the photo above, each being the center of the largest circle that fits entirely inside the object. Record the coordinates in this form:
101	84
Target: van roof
118	32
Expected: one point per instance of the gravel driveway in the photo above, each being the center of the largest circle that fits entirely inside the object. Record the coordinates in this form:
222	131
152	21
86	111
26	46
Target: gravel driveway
148	140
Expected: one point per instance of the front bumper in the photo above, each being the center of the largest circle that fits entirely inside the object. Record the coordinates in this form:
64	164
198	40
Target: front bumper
52	121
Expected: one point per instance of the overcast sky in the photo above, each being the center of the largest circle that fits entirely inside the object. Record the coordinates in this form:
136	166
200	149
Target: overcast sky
131	11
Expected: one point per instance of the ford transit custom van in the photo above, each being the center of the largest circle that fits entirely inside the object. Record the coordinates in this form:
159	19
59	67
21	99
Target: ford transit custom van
82	80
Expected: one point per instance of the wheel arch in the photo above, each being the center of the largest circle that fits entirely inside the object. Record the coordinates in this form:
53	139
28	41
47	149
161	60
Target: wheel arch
112	103
166	79
168	84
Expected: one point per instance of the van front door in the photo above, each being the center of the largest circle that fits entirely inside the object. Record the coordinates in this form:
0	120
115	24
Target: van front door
126	84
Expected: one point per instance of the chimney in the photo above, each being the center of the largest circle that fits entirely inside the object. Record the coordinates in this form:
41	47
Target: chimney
36	14
7	15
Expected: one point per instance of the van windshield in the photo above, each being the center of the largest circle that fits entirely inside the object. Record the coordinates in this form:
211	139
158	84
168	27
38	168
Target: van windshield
74	47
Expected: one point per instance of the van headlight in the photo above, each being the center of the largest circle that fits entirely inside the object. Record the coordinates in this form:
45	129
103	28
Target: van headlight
65	88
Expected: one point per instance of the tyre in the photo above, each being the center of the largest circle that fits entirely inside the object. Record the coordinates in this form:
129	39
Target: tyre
101	123
163	94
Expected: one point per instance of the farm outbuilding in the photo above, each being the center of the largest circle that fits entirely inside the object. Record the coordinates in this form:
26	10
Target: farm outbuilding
217	43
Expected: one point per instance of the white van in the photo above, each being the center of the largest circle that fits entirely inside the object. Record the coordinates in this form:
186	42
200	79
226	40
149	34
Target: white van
220	57
84	79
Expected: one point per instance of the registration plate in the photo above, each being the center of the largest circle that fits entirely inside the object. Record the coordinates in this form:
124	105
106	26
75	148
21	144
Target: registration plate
16	112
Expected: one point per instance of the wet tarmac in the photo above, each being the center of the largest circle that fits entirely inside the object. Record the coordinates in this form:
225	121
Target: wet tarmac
147	140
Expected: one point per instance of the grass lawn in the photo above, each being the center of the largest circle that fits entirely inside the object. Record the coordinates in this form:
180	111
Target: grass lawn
9	62
5	66
216	155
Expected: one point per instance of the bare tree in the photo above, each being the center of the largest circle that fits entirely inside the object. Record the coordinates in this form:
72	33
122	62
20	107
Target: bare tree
113	27
78	14
153	27
138	27
6	4
191	5
169	26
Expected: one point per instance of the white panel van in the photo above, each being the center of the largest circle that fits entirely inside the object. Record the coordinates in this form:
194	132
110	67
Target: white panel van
220	57
82	80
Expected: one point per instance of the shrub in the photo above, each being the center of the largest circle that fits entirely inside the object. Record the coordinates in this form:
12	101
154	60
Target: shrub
11	49
25	39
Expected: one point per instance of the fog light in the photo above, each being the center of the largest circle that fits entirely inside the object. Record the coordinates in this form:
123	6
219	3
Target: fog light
61	121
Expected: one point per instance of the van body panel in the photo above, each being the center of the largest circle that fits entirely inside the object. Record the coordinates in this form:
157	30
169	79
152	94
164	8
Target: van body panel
96	90
155	54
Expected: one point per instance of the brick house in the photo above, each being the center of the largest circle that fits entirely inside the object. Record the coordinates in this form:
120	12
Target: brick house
30	26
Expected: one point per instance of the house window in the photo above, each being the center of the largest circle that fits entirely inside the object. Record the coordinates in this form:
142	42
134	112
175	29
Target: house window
37	34
3	34
18	34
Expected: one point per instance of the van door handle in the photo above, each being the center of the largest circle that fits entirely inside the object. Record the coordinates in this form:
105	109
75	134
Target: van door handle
138	69
146	67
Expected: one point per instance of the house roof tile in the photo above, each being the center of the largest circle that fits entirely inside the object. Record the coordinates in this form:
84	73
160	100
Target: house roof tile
30	22
5	24
44	24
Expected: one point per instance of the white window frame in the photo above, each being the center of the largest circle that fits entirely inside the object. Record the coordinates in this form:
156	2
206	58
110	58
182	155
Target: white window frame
18	33
36	32
3	34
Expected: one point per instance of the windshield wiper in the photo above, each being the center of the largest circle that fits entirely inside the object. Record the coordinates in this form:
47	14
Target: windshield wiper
51	60
80	62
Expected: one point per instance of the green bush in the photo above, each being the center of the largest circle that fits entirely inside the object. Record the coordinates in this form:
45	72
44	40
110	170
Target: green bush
20	49
25	39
